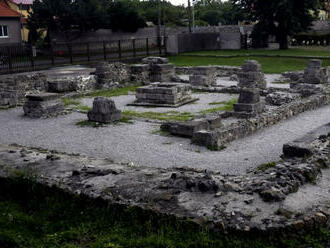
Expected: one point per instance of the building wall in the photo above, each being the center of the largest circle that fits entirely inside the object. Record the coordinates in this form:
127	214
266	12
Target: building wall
14	30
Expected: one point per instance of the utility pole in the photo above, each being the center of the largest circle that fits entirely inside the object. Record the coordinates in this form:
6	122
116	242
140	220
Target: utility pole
158	26
189	15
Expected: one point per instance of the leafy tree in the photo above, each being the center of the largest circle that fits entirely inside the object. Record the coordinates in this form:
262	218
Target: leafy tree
122	15
280	18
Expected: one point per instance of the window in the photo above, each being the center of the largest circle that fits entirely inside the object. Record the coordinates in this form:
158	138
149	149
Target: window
3	31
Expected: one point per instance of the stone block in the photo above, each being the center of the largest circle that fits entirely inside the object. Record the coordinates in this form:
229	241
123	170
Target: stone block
104	111
249	108
155	60
249	96
314	63
251	80
42	105
60	86
280	98
251	66
163	93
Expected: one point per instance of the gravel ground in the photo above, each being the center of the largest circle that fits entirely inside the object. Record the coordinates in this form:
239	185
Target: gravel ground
226	82
138	142
195	107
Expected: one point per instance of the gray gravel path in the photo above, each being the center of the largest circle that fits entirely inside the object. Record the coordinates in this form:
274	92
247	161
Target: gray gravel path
139	144
195	107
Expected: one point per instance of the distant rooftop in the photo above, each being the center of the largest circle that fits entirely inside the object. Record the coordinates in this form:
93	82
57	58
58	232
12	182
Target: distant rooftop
6	11
23	1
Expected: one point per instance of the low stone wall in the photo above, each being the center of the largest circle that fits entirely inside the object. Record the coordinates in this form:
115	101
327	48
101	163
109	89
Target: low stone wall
13	88
221	70
217	138
249	202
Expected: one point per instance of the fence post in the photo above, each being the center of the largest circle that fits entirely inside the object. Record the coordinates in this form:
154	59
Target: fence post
119	49
134	51
88	52
147	46
52	46
70	52
165	43
160	45
31	56
104	50
10	62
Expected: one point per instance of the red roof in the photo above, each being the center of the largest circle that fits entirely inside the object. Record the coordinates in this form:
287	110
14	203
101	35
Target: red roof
6	11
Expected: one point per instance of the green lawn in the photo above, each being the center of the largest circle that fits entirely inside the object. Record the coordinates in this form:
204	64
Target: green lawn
306	51
269	65
32	216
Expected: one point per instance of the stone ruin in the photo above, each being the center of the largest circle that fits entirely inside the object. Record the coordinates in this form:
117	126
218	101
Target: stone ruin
314	80
251	76
14	88
153	69
203	76
43	105
249	103
164	95
110	74
104	111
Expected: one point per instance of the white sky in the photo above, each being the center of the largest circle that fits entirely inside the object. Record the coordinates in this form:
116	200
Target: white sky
184	2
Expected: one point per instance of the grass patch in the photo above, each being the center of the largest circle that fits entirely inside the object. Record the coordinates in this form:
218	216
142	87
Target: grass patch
216	148
166	116
113	92
217	103
269	65
226	106
70	101
280	82
32	215
266	166
316	51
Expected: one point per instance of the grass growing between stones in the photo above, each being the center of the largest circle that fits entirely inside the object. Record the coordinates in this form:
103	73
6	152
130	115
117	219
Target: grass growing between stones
167	116
226	106
266	166
34	216
113	92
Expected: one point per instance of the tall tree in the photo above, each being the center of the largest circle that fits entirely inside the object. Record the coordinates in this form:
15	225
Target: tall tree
280	18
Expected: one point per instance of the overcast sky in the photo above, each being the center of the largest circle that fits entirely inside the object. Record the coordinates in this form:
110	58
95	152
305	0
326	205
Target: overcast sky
184	2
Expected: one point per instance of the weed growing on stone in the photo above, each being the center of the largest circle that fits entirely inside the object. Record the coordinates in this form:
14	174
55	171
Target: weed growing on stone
70	101
266	166
113	92
87	123
226	106
216	148
167	116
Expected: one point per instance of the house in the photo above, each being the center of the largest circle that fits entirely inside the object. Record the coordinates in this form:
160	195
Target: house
23	7
10	24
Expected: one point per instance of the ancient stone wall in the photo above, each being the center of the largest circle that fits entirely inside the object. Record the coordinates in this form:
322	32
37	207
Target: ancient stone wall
217	138
13	88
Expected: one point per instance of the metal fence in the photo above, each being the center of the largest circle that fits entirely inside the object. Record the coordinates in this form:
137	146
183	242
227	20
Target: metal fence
23	58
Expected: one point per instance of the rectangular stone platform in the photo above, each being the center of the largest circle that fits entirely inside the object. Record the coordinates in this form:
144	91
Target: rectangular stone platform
163	95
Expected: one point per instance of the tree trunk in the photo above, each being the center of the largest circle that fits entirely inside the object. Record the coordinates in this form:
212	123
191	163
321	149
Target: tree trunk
283	40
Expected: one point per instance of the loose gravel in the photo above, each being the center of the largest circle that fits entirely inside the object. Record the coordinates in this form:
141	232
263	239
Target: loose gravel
141	144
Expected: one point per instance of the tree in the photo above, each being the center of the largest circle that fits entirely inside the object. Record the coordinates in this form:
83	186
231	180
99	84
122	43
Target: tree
280	18
123	15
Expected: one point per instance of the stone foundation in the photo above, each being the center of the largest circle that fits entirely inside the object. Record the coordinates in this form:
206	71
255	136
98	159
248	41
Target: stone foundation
140	73
219	137
249	103
109	74
251	76
13	88
42	105
203	76
163	94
